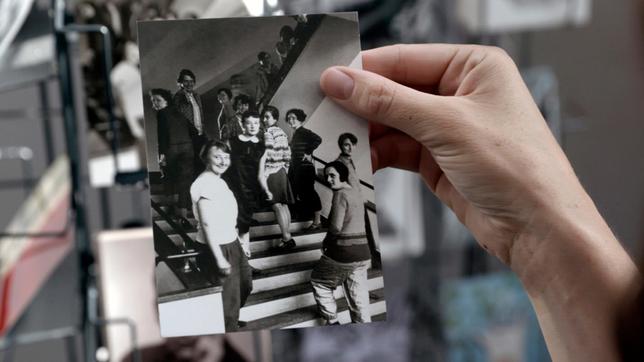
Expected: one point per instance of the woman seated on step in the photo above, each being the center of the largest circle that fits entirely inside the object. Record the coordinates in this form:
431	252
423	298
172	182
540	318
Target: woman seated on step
221	254
273	173
345	251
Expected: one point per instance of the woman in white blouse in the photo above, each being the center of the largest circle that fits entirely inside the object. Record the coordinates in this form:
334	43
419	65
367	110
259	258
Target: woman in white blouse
215	209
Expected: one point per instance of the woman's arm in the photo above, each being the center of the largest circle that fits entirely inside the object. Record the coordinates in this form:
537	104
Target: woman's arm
337	213
262	176
313	141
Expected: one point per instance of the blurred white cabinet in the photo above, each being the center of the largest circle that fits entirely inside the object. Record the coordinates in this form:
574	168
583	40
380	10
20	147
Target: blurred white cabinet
495	16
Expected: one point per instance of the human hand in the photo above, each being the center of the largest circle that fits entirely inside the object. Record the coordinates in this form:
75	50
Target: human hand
246	249
224	266
462	117
269	195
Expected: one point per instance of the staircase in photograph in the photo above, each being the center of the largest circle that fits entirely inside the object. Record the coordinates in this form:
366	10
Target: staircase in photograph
282	296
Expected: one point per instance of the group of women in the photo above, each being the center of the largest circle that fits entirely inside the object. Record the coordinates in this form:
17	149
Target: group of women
244	174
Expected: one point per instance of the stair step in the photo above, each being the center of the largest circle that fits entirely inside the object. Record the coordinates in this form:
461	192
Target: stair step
377	309
263	216
308	316
274	293
282	276
265	304
271	241
300	254
301	239
260	230
272	228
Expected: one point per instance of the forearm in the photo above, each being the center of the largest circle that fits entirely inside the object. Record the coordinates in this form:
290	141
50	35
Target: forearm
577	276
219	255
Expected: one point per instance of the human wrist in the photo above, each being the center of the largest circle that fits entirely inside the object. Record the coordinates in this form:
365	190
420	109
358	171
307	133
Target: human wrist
560	236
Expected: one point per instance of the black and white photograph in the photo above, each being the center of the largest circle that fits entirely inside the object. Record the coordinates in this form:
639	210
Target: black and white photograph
262	193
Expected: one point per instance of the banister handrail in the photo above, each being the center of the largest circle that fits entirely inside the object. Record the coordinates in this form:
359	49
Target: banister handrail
306	30
187	240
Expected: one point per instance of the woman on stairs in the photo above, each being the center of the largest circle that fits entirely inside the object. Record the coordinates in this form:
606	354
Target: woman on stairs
345	251
347	143
246	151
273	173
221	254
302	171
176	153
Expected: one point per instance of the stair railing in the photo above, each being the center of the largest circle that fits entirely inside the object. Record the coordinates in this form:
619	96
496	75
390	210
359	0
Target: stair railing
303	32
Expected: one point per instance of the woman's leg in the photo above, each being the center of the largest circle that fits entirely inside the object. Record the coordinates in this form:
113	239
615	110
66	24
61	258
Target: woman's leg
287	214
281	214
325	277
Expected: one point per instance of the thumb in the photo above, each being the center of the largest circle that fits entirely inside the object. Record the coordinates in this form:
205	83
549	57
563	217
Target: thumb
382	100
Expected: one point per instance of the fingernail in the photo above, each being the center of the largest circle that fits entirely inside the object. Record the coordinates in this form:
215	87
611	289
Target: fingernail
338	84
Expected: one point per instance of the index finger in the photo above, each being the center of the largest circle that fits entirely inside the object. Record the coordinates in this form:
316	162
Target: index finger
411	64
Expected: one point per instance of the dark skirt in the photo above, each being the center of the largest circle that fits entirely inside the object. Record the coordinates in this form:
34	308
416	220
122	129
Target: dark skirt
280	187
179	172
307	200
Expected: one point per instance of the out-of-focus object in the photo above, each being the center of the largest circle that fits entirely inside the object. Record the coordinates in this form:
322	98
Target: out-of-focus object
489	318
495	16
26	57
214	9
400	215
12	15
25	260
544	87
128	294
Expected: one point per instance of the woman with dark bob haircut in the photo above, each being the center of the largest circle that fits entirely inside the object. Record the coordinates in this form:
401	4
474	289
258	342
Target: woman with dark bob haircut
302	171
347	142
345	251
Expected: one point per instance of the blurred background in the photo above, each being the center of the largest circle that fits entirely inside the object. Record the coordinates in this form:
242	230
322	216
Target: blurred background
76	204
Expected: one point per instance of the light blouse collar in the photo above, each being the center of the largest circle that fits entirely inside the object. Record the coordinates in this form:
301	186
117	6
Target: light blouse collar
244	138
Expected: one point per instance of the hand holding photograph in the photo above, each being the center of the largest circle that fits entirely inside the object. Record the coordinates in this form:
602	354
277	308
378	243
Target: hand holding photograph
261	188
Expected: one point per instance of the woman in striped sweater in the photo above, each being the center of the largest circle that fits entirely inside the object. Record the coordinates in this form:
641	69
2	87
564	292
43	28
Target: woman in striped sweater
273	173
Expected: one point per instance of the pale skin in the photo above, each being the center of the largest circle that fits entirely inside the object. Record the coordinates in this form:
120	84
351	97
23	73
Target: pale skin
282	213
187	83
461	117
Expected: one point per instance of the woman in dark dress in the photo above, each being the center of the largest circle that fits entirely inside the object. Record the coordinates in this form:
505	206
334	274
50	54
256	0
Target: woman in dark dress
246	151
302	171
176	153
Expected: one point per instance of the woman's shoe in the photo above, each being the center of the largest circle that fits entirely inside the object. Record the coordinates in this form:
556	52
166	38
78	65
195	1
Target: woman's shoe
285	245
185	224
314	227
